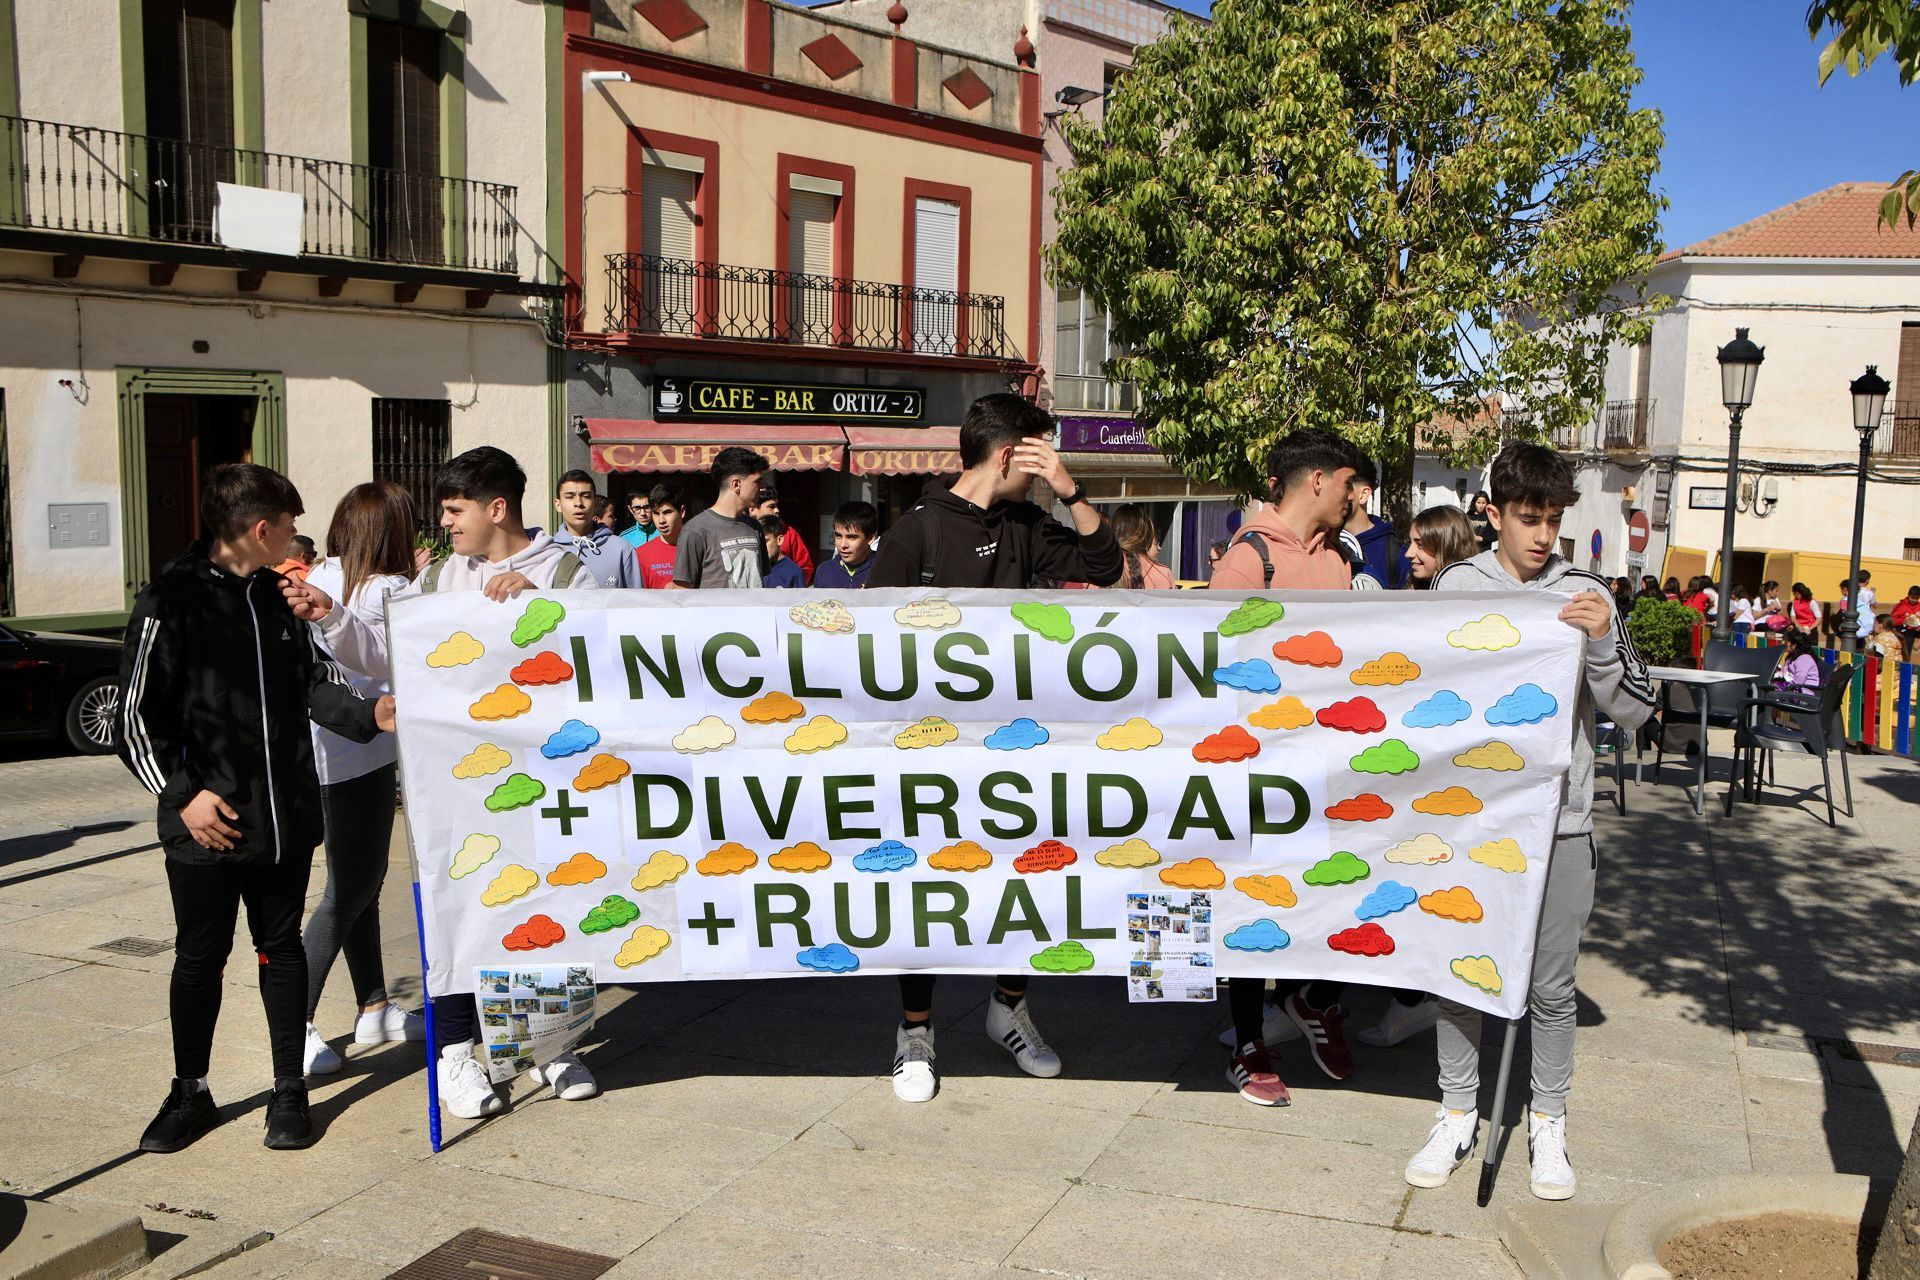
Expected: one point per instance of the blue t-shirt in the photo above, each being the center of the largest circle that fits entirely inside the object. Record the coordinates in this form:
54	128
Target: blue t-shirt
784	574
838	573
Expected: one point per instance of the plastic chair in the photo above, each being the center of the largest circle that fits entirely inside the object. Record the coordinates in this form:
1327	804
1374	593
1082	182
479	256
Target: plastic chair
1814	729
1619	737
1725	702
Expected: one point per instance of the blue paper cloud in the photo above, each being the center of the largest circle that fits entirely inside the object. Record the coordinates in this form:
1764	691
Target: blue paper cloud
1018	736
1390	897
888	855
1443	708
835	957
570	739
1261	935
1529	704
1254	675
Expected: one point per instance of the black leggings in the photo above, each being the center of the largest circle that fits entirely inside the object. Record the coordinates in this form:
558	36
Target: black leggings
206	905
359	814
454	1019
916	989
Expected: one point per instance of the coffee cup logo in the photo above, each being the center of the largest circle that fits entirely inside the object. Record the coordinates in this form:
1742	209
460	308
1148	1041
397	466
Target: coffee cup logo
669	397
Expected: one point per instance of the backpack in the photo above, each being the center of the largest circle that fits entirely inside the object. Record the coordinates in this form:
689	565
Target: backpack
1258	541
563	571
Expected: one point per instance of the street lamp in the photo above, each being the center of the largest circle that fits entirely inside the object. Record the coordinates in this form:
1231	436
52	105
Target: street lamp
1739	366
1869	398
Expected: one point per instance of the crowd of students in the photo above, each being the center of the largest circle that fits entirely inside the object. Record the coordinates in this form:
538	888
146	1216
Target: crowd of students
222	642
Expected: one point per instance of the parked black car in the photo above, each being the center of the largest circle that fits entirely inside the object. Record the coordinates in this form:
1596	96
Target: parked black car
58	685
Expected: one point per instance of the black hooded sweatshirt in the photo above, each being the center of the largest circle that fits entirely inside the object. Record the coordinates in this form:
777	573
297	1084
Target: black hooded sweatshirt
218	680
946	541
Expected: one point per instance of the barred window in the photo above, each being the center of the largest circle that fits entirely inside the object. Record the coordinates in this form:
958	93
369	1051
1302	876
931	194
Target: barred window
411	439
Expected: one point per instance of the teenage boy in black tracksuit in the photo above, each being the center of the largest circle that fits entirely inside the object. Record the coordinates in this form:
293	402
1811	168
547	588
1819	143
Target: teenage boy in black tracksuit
981	532
219	683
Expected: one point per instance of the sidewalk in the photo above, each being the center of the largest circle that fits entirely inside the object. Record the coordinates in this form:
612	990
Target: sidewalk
749	1129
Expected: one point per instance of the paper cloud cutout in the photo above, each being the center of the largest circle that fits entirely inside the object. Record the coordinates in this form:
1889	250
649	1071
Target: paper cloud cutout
581	868
1424	850
730	859
1048	621
1529	704
1491	755
1048	855
474	852
504	703
1249	675
1063	957
1195	873
1388	897
517	792
1362	940
1488	633
1502	855
829	616
457	650
1337	869
1478	971
663	868
1314	649
773	707
1250	615
835	957
514	881
1457	903
1365	807
1134	734
1449	802
1288	713
647	942
1391	756
545	667
709	733
1275	891
570	739
928	731
1387	669
1132	852
601	771
1258	935
1020	735
817	734
800	859
1443	708
534	933
481	761
935	613
888	855
1226	746
613	912
1355	715
539	619
964	856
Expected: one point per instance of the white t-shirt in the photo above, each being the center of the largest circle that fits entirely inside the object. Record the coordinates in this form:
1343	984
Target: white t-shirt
335	758
1743	610
1866	605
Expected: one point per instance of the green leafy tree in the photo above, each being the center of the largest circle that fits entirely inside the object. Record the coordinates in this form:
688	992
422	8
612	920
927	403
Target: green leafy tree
1858	32
1368	215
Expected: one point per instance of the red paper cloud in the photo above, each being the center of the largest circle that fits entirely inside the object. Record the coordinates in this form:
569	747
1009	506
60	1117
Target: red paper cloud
1368	939
1048	855
545	667
1314	649
1230	744
536	932
1365	807
1355	715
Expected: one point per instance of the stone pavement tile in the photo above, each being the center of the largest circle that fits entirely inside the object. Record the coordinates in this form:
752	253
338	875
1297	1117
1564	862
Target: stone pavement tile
665	1084
1773	1154
1392	1092
1892	1078
1692	1095
180	1245
33	1035
788	1039
1629	1037
276	1261
16	968
1068	1089
1780	1064
12	911
1451	1211
1099	1231
91	993
73	932
651	1012
956	1210
421	1208
1349	1181
1419	1257
1827	1112
1655	987
1640	1150
707	1246
136	1067
109	893
43	1133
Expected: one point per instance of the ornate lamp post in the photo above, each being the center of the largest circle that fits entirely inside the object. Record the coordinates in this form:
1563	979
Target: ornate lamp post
1739	367
1869	399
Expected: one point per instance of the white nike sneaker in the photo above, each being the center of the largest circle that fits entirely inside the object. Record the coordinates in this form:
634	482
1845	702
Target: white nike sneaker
1553	1177
1275	1028
569	1077
464	1088
320	1058
914	1079
387	1023
1402	1022
1014	1029
1449	1143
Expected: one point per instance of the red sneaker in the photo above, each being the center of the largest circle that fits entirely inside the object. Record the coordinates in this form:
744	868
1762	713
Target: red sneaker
1326	1035
1251	1072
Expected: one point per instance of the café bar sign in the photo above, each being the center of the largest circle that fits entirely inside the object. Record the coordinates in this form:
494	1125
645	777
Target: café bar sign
677	399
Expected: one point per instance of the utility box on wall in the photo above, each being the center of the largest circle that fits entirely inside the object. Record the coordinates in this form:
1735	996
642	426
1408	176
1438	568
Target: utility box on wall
76	524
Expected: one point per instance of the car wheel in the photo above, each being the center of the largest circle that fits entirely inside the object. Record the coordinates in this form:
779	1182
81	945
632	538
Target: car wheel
93	716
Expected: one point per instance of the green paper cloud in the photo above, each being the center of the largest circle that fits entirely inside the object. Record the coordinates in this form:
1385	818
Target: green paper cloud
1251	615
1050	621
541	617
517	792
1341	868
613	912
1391	756
1063	957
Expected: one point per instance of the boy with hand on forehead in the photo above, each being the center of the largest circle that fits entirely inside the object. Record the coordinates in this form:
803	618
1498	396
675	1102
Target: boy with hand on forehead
855	524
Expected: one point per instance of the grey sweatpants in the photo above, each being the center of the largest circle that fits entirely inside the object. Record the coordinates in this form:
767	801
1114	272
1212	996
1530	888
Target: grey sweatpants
1550	999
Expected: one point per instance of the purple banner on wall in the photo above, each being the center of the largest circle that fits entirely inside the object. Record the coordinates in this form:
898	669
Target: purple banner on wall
1103	435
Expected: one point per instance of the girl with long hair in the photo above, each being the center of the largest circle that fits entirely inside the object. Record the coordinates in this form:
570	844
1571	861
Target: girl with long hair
1438	537
1482	523
1139	549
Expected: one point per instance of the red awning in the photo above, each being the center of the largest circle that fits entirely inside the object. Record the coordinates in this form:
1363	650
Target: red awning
903	451
636	444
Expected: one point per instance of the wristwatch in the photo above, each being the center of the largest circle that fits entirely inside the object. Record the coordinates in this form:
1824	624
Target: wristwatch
1079	494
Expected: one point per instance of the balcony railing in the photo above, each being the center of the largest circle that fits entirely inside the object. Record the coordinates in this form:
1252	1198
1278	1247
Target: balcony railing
1092	394
1624	424
77	179
1899	433
674	297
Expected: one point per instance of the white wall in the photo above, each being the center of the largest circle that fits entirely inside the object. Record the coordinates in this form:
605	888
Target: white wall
69	61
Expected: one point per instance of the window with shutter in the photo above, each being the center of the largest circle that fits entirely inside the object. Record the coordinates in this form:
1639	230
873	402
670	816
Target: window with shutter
667	211
1905	440
403	141
936	275
188	50
810	217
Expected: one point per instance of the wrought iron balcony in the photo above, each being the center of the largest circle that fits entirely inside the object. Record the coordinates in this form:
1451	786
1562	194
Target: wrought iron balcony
1624	424
1899	433
100	182
674	297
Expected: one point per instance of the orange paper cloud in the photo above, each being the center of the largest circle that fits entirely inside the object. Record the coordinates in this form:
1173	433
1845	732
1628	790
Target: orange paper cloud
730	859
800	858
1275	891
1388	668
964	856
772	708
601	771
581	868
1457	903
1365	807
1314	649
1195	873
1288	713
1450	802
545	667
1048	855
504	703
1228	745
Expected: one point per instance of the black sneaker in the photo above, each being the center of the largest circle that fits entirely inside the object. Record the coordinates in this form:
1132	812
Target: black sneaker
289	1127
185	1115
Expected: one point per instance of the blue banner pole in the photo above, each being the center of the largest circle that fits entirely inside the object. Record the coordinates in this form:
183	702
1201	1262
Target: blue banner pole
433	1033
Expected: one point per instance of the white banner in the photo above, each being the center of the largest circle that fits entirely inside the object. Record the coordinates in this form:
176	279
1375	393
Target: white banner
731	783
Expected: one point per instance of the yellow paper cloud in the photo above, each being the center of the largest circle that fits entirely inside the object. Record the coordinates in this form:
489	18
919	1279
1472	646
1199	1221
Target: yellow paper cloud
647	942
1134	852
1288	713
730	859
1422	851
581	868
929	731
1388	668
602	771
1502	855
1135	734
1195	873
1457	903
457	650
514	881
964	856
774	707
1488	633
711	733
1449	802
932	613
1478	971
829	616
800	858
663	868
504	703
1275	891
817	734
475	852
481	761
1491	755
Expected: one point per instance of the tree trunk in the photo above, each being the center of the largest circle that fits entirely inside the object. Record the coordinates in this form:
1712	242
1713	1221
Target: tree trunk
1897	1255
1396	481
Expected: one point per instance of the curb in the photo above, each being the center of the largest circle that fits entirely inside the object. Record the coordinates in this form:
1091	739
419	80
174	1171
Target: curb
1633	1239
42	1241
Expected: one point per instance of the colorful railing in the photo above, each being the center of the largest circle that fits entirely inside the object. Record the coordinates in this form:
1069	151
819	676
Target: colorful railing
1881	708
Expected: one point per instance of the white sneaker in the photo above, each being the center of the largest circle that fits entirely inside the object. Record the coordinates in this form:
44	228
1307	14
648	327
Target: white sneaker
1547	1152
464	1088
388	1022
1402	1022
913	1075
569	1077
320	1058
1275	1028
1014	1029
1449	1143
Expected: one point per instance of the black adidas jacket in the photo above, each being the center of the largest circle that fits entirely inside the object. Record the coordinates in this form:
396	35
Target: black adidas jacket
946	541
218	680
